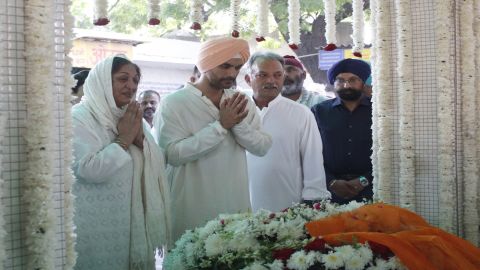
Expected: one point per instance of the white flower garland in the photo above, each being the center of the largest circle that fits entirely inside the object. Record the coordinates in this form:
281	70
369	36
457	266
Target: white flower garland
373	62
37	184
406	105
470	167
196	14
358	27
100	13
262	20
3	232
384	100
235	13
446	117
70	237
153	12
477	86
330	24
294	23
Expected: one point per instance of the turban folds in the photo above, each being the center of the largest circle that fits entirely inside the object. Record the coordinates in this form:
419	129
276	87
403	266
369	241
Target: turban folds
218	51
292	61
354	66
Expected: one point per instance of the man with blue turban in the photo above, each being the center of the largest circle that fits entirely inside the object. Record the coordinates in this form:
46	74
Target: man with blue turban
345	126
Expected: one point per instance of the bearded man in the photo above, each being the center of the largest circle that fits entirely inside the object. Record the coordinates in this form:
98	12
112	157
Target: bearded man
293	89
345	126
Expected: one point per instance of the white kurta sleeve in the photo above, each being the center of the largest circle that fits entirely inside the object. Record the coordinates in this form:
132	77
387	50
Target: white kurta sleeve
94	161
249	133
179	144
314	183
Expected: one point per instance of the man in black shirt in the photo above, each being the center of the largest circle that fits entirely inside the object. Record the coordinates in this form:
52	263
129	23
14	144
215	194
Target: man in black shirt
345	126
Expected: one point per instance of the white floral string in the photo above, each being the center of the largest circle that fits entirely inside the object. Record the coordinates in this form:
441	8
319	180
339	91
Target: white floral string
100	13
153	12
477	86
373	62
294	23
406	105
384	102
3	232
446	117
330	24
196	14
470	167
262	20
235	13
37	185
358	27
70	237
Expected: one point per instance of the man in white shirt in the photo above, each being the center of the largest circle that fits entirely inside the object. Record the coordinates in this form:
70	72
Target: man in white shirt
292	170
293	84
204	130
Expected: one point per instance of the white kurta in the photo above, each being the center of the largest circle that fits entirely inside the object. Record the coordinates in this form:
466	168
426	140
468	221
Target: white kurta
292	170
207	166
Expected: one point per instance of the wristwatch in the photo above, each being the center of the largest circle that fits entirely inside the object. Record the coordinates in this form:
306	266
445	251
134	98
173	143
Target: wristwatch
363	181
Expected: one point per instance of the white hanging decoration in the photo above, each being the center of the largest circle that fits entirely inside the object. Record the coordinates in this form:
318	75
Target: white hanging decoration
358	27
196	15
262	20
330	25
294	23
100	13
235	13
154	12
3	135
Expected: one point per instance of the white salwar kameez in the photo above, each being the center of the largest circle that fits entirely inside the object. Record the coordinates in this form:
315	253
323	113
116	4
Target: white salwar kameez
207	165
292	169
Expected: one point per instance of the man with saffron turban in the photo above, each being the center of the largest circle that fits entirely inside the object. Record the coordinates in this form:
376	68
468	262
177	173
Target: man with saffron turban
204	129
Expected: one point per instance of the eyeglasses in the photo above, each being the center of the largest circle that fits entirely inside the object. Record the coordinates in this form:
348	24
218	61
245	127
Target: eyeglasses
350	81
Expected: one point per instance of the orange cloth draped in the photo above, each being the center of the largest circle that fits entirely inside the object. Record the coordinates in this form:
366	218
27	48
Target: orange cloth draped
417	244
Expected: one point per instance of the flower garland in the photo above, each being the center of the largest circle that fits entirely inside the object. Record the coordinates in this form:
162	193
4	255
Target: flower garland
196	14
262	20
68	198
3	232
330	24
470	167
37	185
267	240
100	12
384	110
373	62
406	105
358	27
446	117
477	85
154	12
294	23
235	12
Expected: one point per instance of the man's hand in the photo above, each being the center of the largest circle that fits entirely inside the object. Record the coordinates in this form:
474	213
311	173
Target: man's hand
130	123
233	110
344	189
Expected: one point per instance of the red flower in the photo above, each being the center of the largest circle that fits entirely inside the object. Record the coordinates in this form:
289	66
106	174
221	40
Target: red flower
272	215
154	21
380	250
196	26
330	47
260	39
317	245
357	54
317	206
222	221
283	254
293	46
101	21
235	34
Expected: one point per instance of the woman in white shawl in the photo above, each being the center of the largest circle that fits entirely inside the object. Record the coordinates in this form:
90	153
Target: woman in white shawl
121	192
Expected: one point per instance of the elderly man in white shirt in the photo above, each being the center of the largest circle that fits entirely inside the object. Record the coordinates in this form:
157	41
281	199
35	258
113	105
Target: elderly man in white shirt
292	171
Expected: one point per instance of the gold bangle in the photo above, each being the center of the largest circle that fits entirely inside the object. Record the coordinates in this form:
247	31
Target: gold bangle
122	144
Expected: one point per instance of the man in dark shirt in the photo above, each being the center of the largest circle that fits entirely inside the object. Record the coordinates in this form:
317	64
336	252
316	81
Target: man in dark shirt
345	125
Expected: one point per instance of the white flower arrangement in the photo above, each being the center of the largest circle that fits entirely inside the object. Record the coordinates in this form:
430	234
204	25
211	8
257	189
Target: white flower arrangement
294	23
267	240
446	117
196	16
477	85
235	13
373	62
383	183
3	232
70	237
470	166
330	24
358	27
153	12
262	20
406	105
100	13
37	184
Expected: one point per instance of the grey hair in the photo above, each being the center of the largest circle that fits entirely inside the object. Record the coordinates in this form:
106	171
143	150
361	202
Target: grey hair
262	56
148	93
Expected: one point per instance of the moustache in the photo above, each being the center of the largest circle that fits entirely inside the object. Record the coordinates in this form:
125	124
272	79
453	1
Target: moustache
269	86
149	110
228	79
